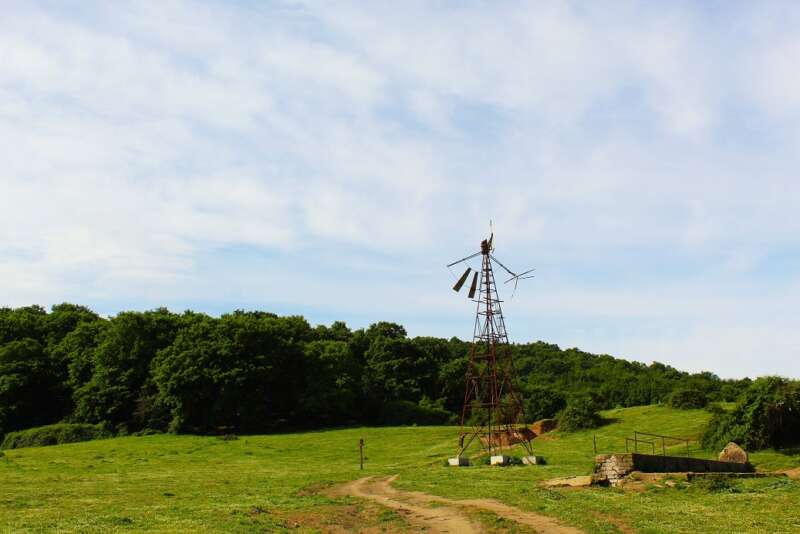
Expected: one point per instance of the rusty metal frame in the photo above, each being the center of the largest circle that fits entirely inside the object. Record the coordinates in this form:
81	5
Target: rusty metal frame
491	388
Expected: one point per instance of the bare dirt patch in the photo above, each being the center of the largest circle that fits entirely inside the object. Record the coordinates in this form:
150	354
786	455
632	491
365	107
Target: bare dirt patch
313	489
794	474
569	482
366	518
449	515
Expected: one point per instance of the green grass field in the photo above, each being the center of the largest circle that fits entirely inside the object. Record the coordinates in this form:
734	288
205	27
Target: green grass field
168	483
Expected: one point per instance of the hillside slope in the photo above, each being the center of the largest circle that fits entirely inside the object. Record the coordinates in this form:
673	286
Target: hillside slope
169	483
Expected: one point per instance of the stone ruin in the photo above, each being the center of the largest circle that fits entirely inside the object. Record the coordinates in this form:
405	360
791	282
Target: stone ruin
614	468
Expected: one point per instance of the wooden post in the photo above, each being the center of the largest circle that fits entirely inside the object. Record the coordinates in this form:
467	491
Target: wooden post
361	452
594	439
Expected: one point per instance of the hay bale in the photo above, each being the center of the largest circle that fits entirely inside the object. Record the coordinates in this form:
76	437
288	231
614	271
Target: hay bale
733	453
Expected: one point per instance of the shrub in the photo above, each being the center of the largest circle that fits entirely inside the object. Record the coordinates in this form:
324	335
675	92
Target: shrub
54	435
687	399
767	415
580	414
543	402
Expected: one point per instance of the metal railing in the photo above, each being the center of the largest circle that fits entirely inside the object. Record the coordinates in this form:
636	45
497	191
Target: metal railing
650	443
653	442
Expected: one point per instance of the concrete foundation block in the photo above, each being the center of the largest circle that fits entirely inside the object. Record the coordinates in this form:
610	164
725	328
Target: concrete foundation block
458	461
533	460
500	460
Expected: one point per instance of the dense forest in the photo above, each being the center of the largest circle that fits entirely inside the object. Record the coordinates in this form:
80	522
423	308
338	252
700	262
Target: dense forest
248	372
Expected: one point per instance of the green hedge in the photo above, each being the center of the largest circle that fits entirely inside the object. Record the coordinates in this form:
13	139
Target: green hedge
53	435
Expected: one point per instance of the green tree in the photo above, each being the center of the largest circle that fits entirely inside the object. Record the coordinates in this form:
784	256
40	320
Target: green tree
543	402
30	390
121	365
767	415
332	384
29	322
243	371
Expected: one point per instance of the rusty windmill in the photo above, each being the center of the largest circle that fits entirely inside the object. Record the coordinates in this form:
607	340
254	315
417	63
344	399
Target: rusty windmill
492	410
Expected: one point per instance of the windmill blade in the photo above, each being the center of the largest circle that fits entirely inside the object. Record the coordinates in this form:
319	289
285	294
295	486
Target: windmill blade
474	286
463	259
461	280
509	271
520	276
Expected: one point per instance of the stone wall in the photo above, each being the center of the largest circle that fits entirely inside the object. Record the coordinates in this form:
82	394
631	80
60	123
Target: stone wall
611	468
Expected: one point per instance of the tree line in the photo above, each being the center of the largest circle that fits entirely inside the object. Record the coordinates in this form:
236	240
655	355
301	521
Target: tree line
254	371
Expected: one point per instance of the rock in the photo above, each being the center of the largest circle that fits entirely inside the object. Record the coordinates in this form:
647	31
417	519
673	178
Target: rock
570	482
733	453
543	426
500	459
533	460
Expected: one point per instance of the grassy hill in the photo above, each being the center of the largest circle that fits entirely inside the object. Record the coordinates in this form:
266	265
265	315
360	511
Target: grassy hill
170	483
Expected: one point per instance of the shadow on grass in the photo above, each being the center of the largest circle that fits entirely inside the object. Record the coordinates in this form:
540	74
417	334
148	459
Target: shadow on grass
604	421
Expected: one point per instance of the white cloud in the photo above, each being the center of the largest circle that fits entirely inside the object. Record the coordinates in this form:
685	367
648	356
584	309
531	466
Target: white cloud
142	143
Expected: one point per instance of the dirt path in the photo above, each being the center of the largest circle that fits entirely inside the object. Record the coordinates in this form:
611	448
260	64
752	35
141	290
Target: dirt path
437	520
449	516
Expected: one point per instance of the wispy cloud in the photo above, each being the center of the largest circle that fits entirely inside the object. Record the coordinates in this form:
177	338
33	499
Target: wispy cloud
328	158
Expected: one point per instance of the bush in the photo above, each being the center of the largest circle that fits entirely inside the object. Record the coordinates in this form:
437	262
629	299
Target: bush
768	415
543	402
687	399
54	435
580	414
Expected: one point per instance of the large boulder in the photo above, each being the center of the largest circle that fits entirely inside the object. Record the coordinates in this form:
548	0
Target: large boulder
733	453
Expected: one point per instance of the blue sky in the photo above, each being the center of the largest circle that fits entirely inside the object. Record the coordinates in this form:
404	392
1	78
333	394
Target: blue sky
328	159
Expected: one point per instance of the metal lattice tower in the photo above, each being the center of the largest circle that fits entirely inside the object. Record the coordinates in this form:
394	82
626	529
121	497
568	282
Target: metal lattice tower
492	410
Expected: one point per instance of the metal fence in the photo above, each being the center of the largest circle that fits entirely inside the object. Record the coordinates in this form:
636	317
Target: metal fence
648	442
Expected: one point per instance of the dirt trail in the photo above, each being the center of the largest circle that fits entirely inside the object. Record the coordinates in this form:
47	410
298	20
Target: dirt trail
437	520
450	517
